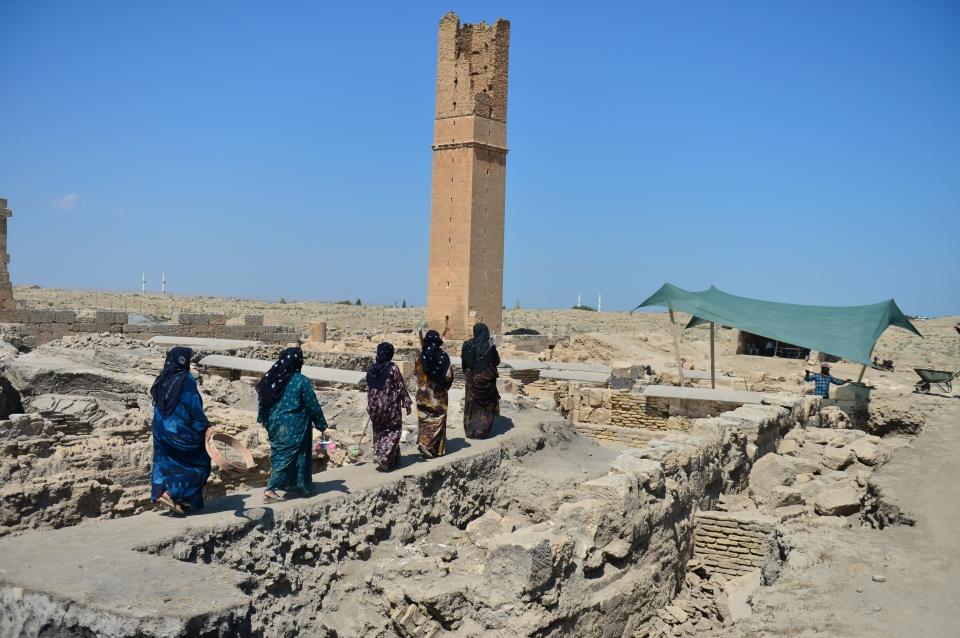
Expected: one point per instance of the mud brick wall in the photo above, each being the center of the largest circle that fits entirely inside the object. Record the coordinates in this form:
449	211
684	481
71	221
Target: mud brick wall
43	326
525	376
630	409
733	543
634	437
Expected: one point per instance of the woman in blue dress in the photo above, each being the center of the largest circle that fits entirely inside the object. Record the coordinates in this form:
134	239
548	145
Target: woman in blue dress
181	464
288	405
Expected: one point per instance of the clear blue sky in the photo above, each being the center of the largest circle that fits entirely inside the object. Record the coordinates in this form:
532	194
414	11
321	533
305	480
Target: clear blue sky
804	151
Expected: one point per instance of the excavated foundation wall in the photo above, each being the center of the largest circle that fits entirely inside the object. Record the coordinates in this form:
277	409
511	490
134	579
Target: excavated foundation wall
610	554
43	326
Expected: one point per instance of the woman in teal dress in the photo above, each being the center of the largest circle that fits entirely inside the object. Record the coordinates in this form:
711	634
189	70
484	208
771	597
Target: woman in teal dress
288	405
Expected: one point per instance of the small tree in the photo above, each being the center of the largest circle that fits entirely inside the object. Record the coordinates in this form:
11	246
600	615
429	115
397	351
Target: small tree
358	303
404	304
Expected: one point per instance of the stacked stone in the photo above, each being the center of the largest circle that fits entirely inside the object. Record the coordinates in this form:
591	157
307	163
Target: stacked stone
201	319
67	423
525	376
733	543
43	326
633	410
6	288
634	437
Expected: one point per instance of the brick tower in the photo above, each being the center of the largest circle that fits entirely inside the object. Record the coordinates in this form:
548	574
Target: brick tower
469	170
6	288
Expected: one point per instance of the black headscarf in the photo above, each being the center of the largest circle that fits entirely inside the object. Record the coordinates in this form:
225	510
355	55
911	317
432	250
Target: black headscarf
274	382
166	389
477	351
436	362
377	374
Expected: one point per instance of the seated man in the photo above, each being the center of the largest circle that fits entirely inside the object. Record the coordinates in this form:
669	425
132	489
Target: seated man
822	381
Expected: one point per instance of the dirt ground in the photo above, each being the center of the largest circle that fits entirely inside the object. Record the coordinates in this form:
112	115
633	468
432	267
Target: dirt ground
831	586
841	579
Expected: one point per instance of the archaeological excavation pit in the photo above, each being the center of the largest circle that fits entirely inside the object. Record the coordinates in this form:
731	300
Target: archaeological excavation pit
537	531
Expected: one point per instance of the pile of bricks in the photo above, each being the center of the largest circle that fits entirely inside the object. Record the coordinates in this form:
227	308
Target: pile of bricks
733	543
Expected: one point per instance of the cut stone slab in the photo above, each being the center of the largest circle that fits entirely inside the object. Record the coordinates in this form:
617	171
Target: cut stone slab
837	501
837	458
522	561
740	397
259	366
770	471
576	375
738	592
201	343
866	452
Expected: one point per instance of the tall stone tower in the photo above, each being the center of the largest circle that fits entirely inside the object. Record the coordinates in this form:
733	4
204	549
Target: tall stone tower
469	172
6	288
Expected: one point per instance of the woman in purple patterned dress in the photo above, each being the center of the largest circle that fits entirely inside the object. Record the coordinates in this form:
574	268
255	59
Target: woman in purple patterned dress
386	394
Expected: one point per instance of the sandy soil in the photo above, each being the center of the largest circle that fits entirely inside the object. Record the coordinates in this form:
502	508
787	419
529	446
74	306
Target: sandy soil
830	587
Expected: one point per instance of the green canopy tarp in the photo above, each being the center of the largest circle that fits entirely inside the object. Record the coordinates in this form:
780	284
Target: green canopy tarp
849	332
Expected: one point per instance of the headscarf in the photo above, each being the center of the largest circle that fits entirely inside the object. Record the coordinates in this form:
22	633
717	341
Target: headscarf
436	362
166	389
476	351
274	382
377	374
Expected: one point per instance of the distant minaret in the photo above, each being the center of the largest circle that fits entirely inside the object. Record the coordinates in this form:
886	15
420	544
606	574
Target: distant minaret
143	282
163	283
465	282
599	301
578	300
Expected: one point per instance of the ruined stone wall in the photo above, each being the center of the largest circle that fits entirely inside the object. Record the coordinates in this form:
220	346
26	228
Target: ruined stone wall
733	543
599	561
6	288
616	415
43	326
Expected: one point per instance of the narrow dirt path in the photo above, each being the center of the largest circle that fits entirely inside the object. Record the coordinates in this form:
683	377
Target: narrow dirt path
900	581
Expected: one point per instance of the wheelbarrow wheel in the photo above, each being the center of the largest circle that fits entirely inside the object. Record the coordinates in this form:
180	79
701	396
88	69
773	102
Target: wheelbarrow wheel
922	386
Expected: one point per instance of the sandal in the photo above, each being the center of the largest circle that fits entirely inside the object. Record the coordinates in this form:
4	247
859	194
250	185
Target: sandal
165	501
272	497
382	466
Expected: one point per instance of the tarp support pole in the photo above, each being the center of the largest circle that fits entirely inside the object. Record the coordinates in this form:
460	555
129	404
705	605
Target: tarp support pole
676	346
713	369
862	370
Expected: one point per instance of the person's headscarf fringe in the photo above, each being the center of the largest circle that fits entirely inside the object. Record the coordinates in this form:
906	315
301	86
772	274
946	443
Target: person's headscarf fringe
274	382
169	384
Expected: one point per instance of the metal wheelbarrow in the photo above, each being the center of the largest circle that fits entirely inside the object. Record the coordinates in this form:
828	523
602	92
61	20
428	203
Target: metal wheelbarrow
942	378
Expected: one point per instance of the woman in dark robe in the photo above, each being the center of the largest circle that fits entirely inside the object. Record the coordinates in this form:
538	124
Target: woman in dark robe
481	398
386	395
181	464
288	405
434	378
